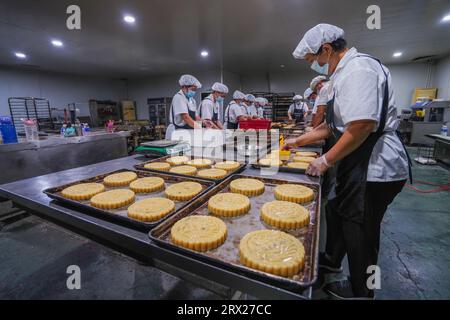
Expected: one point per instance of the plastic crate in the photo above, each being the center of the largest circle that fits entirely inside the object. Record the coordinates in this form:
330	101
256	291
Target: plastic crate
259	124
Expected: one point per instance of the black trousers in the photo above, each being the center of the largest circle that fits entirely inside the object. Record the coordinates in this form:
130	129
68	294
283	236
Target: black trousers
360	241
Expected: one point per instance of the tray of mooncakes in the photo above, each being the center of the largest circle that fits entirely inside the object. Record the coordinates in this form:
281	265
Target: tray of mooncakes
135	199
263	228
295	161
191	166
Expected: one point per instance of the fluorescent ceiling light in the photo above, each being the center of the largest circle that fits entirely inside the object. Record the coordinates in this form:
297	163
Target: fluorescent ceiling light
57	43
397	54
204	53
129	19
20	55
446	18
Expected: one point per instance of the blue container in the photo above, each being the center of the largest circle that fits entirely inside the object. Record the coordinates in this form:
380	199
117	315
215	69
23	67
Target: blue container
8	130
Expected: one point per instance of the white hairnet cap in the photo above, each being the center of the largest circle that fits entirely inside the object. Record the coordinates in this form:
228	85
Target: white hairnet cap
188	80
238	95
250	98
297	97
316	81
261	101
307	93
314	38
267	101
219	87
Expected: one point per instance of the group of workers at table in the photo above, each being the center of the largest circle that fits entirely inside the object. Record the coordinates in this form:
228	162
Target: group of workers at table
184	113
364	163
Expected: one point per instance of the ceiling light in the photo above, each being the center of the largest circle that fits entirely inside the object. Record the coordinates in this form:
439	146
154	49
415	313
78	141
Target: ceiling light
57	43
397	54
20	55
204	53
129	19
446	18
282	66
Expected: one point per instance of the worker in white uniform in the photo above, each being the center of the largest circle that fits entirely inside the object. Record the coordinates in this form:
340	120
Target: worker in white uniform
260	103
210	107
370	160
298	110
183	111
234	112
309	97
319	85
250	105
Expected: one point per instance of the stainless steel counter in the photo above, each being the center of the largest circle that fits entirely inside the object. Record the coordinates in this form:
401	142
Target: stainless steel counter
30	159
28	194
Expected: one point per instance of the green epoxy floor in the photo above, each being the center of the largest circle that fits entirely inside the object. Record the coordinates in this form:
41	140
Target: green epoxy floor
34	255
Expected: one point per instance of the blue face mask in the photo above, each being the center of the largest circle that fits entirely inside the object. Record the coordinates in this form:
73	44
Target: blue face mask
320	69
219	99
190	94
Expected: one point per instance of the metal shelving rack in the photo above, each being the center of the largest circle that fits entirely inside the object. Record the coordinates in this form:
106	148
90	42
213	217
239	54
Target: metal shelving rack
281	104
31	108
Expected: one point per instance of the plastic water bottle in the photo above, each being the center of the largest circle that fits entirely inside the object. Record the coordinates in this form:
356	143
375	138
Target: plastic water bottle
63	130
8	130
86	129
444	130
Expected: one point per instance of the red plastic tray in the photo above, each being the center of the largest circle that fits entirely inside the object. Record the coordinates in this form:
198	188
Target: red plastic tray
255	124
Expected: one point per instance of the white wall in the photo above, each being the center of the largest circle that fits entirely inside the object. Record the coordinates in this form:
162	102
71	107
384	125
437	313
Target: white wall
59	89
406	78
442	78
280	82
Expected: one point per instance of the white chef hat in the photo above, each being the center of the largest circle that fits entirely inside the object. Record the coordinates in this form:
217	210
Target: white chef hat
297	97
316	81
314	38
261	101
250	98
238	95
219	87
188	80
308	93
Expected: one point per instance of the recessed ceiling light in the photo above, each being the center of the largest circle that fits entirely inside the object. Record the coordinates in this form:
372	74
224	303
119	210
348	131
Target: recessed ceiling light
397	54
57	43
20	55
204	53
282	66
129	19
446	18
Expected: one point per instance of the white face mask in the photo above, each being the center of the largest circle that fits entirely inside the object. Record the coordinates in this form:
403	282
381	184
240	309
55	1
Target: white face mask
321	69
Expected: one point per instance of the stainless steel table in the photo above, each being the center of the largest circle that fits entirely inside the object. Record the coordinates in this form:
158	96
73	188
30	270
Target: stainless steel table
28	194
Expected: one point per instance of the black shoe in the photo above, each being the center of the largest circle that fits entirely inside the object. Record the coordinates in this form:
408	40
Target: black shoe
327	266
342	290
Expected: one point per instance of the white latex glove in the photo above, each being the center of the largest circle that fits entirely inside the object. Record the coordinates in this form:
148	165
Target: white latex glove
289	144
318	166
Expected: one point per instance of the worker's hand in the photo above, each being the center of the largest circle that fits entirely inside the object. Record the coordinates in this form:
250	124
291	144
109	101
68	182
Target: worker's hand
289	144
318	167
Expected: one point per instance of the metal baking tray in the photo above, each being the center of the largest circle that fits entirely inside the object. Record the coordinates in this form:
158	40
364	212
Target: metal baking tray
141	167
160	143
119	215
226	257
284	167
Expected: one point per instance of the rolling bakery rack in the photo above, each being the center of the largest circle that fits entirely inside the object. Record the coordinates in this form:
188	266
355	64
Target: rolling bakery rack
31	108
